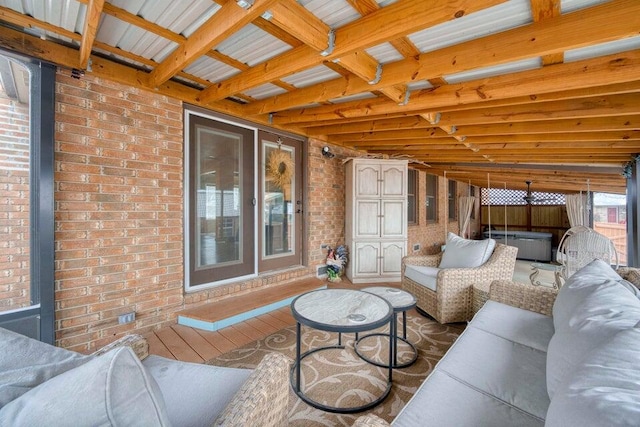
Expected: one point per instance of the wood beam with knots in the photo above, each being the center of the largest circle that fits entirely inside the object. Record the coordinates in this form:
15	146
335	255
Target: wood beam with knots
580	28
90	29
226	21
301	24
393	21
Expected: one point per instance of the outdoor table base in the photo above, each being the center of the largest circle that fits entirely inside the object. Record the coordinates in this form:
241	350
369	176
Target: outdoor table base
393	343
342	311
295	379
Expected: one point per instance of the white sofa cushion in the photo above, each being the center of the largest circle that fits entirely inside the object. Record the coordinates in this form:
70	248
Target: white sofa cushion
424	275
112	389
195	394
29	363
523	327
578	293
510	372
593	307
605	387
446	401
465	253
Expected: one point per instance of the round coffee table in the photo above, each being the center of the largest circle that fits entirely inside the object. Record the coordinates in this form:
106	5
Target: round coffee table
342	311
401	301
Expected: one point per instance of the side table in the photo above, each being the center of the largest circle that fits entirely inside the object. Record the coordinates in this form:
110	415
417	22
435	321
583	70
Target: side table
401	301
341	311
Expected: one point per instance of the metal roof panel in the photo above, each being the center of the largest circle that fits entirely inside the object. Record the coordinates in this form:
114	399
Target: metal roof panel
252	46
264	91
210	69
492	20
495	70
602	49
334	13
311	76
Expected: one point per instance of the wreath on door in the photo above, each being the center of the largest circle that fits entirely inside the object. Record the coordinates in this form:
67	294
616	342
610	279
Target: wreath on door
280	168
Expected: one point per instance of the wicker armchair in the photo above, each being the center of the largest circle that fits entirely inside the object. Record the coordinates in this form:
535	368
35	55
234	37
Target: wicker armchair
452	300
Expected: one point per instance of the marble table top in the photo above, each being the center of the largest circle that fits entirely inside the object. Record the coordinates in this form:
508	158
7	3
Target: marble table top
399	299
341	310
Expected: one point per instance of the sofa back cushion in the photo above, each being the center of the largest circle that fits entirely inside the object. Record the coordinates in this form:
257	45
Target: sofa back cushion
111	389
26	363
590	308
595	289
605	387
465	253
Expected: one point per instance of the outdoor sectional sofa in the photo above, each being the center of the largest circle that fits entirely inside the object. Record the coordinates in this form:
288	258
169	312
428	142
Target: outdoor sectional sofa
533	356
45	385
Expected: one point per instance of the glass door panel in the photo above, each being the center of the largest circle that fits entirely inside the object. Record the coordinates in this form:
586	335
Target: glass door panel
280	202
218	231
278	177
221	203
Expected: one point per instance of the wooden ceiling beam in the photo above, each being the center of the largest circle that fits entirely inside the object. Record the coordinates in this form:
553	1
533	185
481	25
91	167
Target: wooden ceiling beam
592	73
362	65
434	136
363	33
571	126
226	21
578	29
90	29
301	24
605	89
601	106
412	122
540	11
524	153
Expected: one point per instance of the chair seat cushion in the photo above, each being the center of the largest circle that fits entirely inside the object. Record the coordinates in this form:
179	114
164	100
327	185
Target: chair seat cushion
195	394
466	253
423	275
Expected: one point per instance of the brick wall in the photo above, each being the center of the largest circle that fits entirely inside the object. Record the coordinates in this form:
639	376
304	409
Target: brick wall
118	210
14	204
119	213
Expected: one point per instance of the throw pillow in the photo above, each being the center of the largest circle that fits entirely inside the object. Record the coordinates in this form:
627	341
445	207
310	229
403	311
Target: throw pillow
26	363
465	253
110	390
604	389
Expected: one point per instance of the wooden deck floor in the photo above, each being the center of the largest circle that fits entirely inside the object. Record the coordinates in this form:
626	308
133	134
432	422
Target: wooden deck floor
195	345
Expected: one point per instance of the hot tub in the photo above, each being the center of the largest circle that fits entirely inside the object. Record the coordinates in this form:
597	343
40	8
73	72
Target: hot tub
531	245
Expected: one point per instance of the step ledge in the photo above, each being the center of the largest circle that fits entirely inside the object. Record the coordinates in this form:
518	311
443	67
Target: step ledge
213	326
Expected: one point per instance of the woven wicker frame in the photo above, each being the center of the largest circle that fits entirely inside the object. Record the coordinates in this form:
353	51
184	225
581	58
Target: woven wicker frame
263	399
453	300
137	343
539	299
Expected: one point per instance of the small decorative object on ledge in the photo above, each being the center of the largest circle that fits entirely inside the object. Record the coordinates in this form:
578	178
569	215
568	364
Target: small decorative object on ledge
336	262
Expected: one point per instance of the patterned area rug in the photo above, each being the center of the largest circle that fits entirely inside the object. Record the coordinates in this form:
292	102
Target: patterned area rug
338	377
